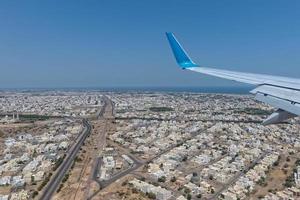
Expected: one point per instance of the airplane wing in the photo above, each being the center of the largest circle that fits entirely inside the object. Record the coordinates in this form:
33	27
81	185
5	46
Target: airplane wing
280	92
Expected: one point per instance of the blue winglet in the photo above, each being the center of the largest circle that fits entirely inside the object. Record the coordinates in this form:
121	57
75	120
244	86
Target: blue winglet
180	54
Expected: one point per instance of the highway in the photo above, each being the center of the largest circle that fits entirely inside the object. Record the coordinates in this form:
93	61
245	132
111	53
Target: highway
101	111
57	177
103	117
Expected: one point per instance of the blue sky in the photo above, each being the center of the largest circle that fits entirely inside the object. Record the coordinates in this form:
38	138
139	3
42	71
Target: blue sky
111	43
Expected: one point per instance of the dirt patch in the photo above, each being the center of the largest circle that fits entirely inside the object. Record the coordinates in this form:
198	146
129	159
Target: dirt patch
276	176
121	190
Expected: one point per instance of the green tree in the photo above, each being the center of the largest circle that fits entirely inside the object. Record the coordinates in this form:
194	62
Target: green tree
151	195
32	179
162	179
173	179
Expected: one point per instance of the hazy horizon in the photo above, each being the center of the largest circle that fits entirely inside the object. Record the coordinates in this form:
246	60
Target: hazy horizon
211	89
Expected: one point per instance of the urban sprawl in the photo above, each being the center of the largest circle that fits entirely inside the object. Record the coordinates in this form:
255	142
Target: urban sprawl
144	145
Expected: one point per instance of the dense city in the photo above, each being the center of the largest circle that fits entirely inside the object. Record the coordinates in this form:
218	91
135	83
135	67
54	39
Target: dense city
144	145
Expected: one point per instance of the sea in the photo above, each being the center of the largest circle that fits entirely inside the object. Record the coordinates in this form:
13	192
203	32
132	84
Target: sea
220	90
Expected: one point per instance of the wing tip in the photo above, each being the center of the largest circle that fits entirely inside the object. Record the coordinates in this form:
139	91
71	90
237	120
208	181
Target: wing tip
182	58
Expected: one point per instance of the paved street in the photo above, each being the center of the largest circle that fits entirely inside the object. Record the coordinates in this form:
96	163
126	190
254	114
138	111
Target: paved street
56	179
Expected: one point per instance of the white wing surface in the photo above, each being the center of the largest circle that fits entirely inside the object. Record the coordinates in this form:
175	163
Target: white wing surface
280	92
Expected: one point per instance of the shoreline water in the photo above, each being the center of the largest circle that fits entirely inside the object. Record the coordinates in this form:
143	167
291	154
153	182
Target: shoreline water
220	90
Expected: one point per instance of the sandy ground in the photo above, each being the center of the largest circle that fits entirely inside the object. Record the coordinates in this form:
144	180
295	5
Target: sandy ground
276	177
120	191
80	184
